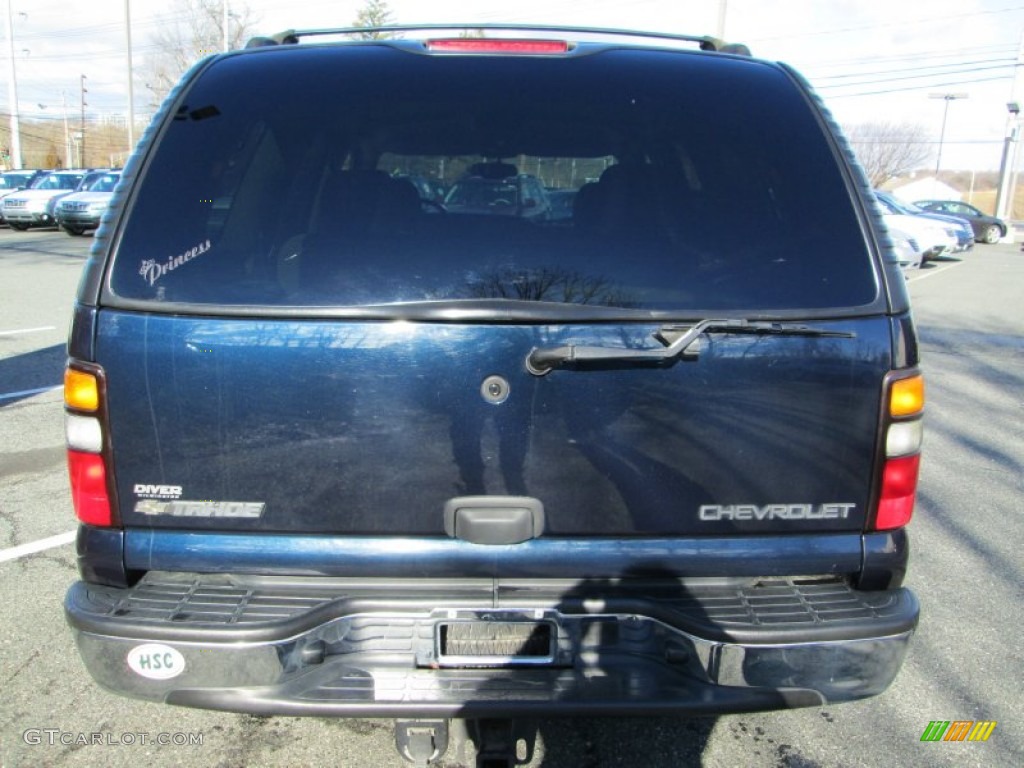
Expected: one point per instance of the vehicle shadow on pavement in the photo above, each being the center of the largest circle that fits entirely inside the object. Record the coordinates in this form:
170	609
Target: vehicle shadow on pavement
22	376
655	742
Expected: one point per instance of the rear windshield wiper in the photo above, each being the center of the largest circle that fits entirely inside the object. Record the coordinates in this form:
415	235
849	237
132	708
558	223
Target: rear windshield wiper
677	342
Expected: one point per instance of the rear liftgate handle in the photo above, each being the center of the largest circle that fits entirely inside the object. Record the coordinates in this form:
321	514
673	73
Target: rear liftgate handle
494	519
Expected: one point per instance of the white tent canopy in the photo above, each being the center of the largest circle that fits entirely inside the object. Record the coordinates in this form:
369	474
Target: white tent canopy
926	189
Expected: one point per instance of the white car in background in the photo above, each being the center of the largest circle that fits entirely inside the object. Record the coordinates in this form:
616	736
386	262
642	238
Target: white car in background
932	237
907	248
34	207
959	232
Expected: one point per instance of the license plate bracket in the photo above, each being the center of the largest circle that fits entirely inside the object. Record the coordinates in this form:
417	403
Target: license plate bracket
496	643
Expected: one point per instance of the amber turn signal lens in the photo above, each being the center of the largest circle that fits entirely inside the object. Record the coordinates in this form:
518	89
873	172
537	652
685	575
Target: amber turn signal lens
81	390
906	398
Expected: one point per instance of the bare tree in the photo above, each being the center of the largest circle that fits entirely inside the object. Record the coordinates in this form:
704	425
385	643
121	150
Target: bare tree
375	13
195	28
887	149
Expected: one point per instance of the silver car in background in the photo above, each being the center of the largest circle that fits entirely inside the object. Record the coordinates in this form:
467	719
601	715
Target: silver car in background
81	211
931	235
15	181
907	249
34	207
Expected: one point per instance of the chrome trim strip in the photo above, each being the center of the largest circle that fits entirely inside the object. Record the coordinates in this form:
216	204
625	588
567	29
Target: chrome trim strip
397	556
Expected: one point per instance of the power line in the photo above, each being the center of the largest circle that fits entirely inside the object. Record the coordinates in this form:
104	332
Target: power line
920	77
109	53
887	24
942	53
915	87
901	70
879	140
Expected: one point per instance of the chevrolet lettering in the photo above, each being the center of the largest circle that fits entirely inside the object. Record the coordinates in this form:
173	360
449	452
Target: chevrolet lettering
776	511
199	508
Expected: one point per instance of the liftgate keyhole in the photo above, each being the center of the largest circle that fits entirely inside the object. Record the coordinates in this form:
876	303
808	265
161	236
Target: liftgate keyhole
495	390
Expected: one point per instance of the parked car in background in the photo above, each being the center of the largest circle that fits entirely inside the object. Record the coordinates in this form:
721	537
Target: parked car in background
987	229
34	207
958	229
907	249
955	227
933	237
81	210
12	181
497	189
431	191
561	203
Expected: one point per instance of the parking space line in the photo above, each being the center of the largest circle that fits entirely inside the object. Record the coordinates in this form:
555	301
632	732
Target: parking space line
29	392
946	268
34	547
28	330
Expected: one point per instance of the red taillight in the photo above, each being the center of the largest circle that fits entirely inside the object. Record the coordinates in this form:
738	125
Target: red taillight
89	488
899	486
484	45
88	452
901	446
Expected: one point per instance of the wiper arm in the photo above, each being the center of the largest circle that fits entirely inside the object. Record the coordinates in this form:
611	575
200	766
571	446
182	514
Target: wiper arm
677	342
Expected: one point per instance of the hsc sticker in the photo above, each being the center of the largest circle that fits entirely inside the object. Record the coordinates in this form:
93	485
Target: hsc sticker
156	661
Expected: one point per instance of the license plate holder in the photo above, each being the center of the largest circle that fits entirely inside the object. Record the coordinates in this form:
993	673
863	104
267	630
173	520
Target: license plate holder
495	643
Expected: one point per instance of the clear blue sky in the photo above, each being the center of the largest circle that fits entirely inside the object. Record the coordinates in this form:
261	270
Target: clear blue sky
870	59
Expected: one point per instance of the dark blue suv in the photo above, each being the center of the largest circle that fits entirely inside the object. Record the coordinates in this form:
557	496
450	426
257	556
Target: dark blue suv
337	451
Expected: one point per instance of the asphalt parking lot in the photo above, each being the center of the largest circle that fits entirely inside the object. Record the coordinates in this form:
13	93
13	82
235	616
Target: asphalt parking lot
965	662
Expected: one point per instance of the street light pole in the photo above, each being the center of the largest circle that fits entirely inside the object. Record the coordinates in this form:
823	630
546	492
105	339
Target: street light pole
227	21
1009	150
69	161
81	145
131	87
947	97
13	93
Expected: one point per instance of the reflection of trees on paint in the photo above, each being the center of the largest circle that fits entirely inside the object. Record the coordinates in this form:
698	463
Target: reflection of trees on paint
547	284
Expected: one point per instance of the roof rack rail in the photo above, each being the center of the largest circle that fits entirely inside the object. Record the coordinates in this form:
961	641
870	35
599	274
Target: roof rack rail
705	42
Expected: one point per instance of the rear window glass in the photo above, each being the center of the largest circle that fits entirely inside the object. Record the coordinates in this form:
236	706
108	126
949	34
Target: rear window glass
643	180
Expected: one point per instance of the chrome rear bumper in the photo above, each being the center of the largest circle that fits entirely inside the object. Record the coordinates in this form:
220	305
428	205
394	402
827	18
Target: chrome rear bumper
329	648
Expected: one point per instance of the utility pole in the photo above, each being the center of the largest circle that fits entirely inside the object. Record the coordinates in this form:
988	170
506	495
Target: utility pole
948	97
1004	194
81	144
1009	151
13	93
227	36
131	91
69	159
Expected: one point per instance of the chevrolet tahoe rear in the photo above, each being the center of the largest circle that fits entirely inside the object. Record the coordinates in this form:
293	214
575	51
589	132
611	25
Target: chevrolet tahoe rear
336	450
